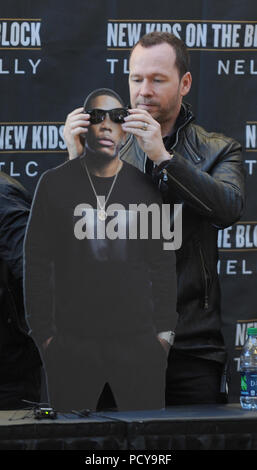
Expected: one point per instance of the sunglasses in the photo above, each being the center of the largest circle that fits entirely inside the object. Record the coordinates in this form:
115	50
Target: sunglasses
116	115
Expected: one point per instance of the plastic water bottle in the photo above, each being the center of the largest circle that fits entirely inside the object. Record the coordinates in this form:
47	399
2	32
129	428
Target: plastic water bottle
248	370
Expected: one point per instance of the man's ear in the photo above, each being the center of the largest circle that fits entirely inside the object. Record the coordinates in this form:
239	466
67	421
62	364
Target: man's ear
185	84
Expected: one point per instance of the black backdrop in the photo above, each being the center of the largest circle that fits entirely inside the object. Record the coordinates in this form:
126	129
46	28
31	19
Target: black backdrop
53	53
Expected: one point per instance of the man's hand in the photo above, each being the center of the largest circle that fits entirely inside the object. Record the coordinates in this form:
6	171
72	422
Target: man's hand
148	133
76	125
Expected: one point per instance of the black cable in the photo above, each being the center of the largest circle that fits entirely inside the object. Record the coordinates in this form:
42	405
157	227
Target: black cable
88	413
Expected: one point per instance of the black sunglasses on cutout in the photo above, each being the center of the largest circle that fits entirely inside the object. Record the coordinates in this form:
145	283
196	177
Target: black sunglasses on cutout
116	115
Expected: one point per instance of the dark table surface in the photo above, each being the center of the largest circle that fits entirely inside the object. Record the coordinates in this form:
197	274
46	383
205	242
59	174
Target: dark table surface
228	412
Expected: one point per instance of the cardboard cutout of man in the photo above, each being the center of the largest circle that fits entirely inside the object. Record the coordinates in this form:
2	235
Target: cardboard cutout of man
99	305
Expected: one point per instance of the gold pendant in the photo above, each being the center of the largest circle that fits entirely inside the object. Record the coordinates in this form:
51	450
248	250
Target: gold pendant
101	214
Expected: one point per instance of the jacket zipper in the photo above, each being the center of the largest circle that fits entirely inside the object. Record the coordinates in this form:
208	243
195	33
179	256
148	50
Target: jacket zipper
187	191
179	129
192	152
206	296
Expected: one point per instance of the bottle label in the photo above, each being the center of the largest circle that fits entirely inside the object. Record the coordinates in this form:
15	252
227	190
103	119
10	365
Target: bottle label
249	384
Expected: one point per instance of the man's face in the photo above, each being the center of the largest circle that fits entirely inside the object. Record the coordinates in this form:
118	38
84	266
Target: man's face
106	137
154	81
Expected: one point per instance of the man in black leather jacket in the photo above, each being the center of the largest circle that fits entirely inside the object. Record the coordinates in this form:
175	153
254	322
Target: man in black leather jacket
20	362
204	172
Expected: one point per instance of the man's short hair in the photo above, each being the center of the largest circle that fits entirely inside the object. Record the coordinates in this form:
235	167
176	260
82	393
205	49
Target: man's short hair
102	92
155	38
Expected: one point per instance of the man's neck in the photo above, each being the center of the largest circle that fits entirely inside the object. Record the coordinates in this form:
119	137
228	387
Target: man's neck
98	167
168	127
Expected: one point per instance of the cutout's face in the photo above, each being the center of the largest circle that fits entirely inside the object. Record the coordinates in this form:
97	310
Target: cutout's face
107	136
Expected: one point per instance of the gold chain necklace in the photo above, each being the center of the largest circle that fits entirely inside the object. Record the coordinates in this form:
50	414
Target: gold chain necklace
101	213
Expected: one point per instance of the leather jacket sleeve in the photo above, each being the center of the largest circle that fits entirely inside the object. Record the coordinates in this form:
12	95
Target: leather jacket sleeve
38	267
216	190
14	214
